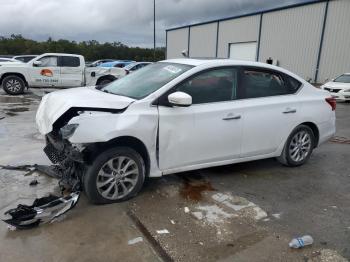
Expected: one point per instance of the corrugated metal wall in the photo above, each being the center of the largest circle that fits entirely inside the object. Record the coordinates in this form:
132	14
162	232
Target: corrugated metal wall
292	36
177	41
203	40
230	31
335	55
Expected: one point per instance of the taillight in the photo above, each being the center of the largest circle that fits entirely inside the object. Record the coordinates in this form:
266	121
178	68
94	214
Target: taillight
332	102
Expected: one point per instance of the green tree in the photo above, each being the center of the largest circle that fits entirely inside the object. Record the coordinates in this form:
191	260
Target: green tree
91	50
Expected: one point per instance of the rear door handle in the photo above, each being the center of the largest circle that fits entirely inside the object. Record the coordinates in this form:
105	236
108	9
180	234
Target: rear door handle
289	111
232	117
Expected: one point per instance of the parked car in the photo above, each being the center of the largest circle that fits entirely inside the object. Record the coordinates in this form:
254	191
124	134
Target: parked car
98	62
5	59
54	70
179	115
118	63
135	66
339	87
24	58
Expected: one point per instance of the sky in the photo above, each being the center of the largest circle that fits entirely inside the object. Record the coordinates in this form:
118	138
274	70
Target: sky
126	21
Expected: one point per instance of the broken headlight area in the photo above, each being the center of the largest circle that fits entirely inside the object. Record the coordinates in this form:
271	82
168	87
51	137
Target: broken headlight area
43	210
68	130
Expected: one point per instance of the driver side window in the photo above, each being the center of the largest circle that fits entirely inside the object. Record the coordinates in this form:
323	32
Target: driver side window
48	61
215	85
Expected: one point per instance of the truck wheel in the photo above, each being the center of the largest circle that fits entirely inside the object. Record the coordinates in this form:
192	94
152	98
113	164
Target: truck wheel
13	85
116	175
299	147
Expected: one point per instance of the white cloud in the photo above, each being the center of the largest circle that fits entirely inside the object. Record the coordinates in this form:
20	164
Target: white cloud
127	21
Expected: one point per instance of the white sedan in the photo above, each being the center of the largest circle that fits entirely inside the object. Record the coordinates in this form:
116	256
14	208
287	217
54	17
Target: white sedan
339	87
179	115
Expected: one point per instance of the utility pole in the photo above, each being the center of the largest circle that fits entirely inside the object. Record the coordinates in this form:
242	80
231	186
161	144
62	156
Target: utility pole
154	30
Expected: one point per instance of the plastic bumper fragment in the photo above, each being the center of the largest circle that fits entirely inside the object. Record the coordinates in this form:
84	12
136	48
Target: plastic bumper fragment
43	210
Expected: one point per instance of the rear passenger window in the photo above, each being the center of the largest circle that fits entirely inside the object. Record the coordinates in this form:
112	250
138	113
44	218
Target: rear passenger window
70	61
216	85
294	84
256	83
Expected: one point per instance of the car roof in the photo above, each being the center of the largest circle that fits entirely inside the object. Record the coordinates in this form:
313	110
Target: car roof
61	54
229	62
114	63
198	62
24	55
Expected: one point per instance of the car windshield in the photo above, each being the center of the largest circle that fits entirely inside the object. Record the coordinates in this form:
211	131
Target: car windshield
146	80
343	79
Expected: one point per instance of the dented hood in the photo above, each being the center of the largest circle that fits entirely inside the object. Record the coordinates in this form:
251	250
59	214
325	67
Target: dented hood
55	104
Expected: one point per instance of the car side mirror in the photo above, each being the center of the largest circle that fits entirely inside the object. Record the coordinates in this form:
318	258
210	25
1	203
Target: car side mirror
180	99
37	63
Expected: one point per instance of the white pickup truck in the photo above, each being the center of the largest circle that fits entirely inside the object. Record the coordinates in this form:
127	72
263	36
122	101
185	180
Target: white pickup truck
54	70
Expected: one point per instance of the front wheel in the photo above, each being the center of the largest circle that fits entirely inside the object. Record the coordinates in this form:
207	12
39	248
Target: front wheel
13	85
299	147
116	175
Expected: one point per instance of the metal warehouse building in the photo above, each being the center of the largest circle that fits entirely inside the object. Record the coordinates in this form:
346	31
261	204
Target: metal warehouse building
311	39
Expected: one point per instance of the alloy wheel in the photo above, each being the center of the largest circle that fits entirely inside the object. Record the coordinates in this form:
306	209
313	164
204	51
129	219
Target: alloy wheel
13	85
300	146
117	177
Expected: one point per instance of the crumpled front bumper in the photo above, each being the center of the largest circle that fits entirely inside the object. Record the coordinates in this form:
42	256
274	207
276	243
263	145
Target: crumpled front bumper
58	150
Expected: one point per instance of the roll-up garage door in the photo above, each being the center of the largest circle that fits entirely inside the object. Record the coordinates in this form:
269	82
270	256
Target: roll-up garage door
243	51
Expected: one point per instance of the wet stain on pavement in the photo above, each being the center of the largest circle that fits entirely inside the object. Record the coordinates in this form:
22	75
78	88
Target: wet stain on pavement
194	187
17	109
10	114
13	100
340	140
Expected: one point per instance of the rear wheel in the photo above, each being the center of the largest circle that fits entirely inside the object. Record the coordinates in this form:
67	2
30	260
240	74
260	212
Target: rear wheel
116	175
299	147
13	85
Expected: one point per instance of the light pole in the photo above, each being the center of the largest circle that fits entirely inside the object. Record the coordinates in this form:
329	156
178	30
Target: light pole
154	30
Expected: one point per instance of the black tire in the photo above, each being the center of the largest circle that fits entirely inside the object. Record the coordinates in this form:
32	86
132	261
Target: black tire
91	177
13	85
287	158
105	81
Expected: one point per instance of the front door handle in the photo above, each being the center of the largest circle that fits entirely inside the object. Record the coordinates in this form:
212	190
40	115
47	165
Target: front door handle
232	117
289	111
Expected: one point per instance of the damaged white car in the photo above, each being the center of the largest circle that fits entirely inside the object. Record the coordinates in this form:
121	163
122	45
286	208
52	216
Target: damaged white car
180	115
